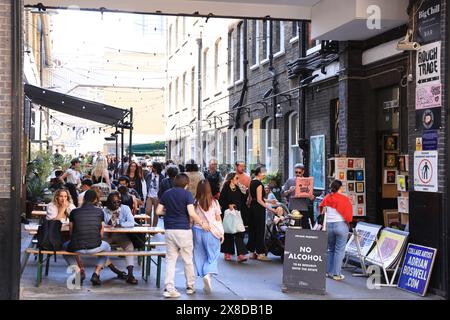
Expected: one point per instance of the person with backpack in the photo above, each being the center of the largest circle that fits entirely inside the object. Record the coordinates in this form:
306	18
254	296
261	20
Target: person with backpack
207	243
177	205
86	232
119	215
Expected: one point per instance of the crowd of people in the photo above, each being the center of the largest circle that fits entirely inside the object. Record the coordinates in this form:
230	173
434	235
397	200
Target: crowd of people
192	205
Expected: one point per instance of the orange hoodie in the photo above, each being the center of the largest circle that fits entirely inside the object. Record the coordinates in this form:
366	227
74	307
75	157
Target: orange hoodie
339	202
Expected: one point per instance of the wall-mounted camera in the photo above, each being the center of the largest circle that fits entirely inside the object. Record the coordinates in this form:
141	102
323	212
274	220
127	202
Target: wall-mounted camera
406	44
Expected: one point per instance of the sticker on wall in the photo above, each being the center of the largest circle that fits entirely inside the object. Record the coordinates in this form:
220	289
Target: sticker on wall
403	205
402	183
428	96
429	140
427	119
418	144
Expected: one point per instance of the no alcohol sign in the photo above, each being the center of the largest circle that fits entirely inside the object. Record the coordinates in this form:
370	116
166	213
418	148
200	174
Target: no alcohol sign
426	171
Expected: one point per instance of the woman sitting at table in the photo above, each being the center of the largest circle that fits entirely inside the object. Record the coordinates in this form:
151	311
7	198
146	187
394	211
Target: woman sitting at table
118	215
61	206
86	232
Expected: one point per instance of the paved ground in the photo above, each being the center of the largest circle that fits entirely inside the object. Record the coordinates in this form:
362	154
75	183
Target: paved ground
253	280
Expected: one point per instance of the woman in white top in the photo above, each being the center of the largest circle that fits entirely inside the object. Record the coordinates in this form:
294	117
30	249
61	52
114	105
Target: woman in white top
100	172
207	243
61	206
73	174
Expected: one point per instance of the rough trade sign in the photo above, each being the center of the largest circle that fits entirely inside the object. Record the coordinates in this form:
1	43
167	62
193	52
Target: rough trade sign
428	68
416	270
305	262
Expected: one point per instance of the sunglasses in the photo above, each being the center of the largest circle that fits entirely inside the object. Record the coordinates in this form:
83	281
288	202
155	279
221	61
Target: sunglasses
117	202
298	172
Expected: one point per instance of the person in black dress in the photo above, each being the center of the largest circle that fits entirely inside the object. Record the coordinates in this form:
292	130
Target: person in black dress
231	197
257	216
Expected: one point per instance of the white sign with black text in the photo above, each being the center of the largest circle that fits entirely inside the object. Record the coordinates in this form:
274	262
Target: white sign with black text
428	66
426	171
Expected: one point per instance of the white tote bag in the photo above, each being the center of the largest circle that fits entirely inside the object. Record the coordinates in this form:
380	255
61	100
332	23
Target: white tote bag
232	222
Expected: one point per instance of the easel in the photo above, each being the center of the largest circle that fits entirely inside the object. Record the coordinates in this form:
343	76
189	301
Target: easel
380	263
359	255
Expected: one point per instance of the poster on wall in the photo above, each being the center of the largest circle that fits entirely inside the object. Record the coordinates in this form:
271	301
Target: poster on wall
427	119
317	161
403	205
428	96
428	65
428	22
426	171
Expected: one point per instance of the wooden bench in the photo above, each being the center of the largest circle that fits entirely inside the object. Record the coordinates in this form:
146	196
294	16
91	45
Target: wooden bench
146	265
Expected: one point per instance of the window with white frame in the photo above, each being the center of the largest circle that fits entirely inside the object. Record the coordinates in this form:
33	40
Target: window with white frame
176	92
170	98
278	38
170	40
268	143
311	43
266	40
255	42
193	89
183	91
295	153
295	35
249	144
205	73
177	33
217	61
231	54
240	52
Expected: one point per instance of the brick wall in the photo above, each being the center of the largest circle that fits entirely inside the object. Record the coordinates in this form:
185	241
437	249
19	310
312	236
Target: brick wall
5	99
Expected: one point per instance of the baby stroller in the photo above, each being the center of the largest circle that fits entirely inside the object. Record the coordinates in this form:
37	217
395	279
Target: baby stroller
276	231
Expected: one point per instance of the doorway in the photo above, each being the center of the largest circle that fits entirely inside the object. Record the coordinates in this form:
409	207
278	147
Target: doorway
388	104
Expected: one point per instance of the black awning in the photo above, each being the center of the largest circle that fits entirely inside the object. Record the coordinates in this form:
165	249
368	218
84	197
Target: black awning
77	107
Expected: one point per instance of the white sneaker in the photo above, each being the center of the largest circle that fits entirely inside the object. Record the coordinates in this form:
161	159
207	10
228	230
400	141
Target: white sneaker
207	283
171	293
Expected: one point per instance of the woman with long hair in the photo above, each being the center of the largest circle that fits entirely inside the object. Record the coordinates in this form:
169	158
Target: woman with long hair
207	243
100	171
73	174
134	173
257	219
339	214
61	206
232	198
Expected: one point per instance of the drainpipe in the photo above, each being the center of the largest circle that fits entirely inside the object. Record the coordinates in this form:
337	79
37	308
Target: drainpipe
303	142
274	76
199	102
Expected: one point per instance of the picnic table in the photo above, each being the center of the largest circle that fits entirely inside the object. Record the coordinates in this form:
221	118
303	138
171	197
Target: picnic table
146	255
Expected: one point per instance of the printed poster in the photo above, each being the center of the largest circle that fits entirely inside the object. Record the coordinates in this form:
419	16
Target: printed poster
390	245
428	96
367	233
317	161
428	63
304	187
426	171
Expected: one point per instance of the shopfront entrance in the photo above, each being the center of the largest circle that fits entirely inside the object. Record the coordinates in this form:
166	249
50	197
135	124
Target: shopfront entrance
388	102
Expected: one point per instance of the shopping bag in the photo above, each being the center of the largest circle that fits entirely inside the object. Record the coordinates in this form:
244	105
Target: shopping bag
232	222
104	189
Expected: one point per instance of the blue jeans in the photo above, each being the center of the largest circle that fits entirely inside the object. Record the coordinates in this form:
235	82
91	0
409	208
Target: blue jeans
337	239
206	252
100	260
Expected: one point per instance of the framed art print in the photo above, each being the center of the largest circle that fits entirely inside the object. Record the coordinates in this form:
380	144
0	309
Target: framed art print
351	187
360	187
390	176
390	160
350	175
359	174
390	143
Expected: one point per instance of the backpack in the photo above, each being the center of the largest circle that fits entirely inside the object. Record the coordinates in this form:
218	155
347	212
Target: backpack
49	236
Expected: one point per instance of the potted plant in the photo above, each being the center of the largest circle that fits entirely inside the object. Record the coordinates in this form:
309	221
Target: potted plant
38	171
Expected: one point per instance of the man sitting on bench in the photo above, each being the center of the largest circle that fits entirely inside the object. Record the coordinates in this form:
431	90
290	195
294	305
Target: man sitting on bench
86	232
